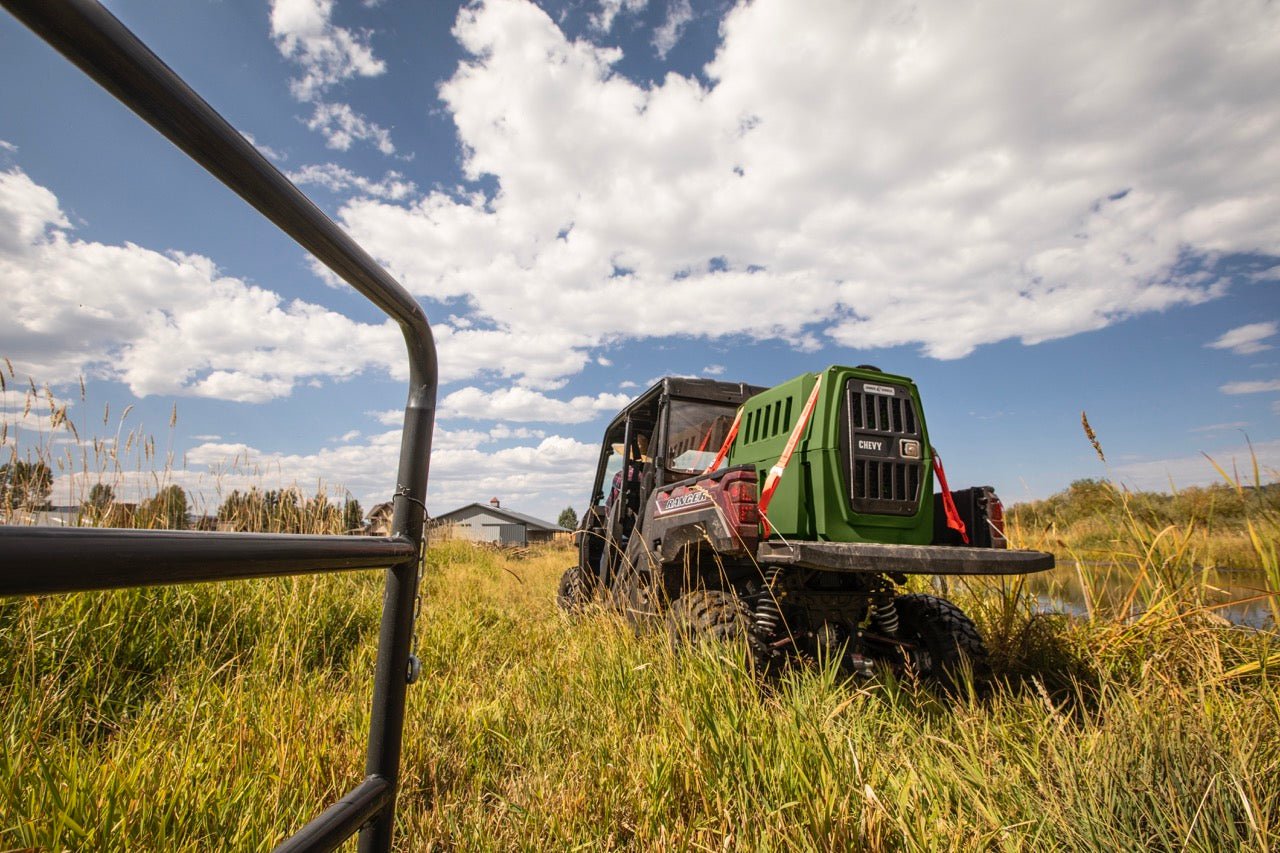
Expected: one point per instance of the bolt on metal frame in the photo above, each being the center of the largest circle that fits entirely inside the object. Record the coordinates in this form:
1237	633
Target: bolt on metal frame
42	560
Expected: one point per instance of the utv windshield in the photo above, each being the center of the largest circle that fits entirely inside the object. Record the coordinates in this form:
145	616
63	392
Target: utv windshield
695	432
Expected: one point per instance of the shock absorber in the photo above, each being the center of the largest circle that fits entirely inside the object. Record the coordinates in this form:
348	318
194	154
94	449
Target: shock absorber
768	614
886	618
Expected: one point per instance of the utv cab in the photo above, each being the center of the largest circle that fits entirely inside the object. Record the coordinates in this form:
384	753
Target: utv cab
677	524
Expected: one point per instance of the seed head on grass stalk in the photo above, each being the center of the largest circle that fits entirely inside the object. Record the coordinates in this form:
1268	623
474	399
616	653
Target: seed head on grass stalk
1093	438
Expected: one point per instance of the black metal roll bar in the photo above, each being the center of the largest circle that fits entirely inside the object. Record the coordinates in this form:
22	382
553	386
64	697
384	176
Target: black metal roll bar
36	560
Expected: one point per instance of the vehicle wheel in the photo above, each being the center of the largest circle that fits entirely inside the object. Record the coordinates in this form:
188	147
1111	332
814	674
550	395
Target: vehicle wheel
574	593
946	639
708	614
633	596
633	593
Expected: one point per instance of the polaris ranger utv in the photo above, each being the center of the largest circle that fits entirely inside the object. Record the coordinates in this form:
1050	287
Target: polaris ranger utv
842	461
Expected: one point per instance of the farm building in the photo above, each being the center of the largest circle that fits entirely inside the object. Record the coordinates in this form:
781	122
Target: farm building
491	523
379	523
49	516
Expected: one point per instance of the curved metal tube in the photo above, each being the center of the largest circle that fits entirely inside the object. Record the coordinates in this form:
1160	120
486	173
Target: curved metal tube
93	39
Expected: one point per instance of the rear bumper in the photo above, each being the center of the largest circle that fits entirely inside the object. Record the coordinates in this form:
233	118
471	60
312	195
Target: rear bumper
907	559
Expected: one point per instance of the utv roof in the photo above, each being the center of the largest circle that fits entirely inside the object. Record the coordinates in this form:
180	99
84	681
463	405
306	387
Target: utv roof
710	390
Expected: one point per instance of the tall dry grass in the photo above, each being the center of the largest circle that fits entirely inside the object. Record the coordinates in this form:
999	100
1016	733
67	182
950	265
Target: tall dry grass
115	473
222	716
1168	565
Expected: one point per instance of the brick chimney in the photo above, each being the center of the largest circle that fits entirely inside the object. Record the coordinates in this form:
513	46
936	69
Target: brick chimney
495	503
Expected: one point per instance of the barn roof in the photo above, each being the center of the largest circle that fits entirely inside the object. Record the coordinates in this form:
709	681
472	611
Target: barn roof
516	517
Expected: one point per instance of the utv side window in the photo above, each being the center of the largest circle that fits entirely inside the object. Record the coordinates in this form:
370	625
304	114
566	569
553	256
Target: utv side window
611	467
694	434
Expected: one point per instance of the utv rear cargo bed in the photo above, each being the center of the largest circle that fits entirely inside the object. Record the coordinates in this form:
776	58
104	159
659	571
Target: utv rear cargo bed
907	559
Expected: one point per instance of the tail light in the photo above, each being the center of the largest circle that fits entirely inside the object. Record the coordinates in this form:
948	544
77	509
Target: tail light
741	495
995	517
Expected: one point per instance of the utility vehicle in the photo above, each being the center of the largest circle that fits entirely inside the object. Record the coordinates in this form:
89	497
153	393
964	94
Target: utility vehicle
714	525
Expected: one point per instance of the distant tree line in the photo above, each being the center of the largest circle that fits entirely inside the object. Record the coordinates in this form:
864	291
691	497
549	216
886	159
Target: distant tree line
1220	503
25	486
167	509
286	511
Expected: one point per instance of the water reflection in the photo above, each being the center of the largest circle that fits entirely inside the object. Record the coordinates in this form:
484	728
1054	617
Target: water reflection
1236	595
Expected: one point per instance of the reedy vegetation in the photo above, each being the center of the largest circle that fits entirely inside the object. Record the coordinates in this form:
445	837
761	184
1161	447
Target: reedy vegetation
225	715
1163	547
1214	520
126	480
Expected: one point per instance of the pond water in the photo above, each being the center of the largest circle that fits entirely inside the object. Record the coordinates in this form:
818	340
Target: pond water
1237	595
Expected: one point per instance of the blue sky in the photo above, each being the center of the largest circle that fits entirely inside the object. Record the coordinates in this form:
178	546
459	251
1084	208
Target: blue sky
1032	209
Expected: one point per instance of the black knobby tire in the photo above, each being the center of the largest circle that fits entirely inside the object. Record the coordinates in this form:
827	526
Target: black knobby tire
574	592
946	640
633	596
711	614
633	590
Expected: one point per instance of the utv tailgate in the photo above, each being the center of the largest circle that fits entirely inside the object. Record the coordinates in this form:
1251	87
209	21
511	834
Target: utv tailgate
907	559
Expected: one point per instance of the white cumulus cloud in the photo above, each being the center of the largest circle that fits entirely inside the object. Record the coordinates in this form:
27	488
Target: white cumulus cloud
602	19
340	126
163	323
1246	340
527	406
928	174
1237	460
337	178
267	151
550	473
679	14
1251	386
327	54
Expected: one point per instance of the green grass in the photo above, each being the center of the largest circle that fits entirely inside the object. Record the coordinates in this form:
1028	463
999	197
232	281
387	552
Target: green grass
223	716
1218	522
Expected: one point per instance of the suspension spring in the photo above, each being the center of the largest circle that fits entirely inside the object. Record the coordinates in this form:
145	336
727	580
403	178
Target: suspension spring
886	618
768	614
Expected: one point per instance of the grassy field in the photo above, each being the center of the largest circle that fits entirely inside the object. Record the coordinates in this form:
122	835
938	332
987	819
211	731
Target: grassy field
222	716
1220	525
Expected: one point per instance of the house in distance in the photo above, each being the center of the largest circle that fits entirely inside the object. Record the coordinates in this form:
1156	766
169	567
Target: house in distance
492	523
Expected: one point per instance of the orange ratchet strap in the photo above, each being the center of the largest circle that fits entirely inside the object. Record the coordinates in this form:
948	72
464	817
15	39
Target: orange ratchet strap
728	441
948	503
775	473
